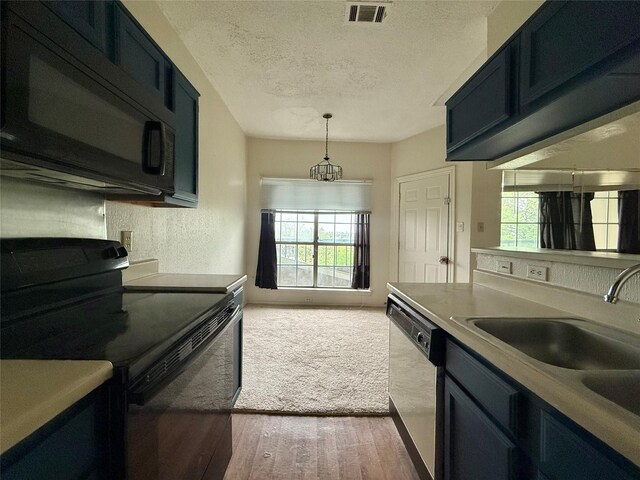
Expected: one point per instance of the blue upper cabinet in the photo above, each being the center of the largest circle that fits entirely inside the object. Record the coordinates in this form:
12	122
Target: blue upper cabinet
570	63
563	42
89	19
488	92
186	164
137	55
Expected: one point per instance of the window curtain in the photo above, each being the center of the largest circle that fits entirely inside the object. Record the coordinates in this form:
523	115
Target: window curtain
361	264
629	221
566	221
267	272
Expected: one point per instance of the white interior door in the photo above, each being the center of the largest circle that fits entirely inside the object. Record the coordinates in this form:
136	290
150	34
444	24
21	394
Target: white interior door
423	241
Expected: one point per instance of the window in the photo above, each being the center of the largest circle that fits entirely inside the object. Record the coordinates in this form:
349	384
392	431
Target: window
604	212
519	220
315	249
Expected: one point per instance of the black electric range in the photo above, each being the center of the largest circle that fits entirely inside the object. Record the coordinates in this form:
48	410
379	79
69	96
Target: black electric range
131	330
172	352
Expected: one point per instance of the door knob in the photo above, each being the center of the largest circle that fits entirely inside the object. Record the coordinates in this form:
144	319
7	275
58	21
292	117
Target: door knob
444	260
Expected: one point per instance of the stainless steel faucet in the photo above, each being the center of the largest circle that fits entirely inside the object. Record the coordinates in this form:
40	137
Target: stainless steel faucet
621	279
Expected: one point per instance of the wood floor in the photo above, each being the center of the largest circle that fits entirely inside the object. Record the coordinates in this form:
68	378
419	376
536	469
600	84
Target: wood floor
301	447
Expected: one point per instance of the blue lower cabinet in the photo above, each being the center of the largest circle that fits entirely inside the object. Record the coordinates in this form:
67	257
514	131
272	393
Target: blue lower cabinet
72	446
498	398
496	429
475	448
563	454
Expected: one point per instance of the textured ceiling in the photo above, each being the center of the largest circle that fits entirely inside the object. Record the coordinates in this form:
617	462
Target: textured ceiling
279	65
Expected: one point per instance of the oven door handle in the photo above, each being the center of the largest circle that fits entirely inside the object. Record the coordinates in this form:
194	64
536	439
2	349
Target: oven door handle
145	392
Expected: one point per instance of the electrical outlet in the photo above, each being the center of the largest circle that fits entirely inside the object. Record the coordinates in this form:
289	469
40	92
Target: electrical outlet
537	273
126	239
459	226
503	267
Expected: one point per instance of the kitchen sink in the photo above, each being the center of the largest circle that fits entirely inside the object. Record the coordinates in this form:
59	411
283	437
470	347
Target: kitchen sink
622	389
567	343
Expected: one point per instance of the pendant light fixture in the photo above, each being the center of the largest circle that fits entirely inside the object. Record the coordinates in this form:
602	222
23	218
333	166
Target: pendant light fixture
325	171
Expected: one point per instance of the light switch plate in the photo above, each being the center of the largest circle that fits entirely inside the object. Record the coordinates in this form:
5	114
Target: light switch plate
459	226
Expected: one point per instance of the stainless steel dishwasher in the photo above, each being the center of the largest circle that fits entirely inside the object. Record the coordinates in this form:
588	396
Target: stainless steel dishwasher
416	389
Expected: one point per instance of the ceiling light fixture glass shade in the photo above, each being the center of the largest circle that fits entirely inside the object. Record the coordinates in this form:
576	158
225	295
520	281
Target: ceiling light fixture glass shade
325	171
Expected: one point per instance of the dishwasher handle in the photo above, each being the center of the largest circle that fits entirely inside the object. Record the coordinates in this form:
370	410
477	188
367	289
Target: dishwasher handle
426	336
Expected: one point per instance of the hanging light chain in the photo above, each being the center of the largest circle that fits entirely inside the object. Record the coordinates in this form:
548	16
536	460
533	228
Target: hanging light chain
326	142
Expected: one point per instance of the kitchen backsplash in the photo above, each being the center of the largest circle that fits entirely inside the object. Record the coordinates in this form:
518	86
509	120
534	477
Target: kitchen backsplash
583	278
37	210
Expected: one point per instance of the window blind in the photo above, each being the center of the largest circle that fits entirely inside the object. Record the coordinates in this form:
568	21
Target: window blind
568	181
302	194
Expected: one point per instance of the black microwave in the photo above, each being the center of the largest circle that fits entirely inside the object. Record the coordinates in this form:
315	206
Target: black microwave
72	117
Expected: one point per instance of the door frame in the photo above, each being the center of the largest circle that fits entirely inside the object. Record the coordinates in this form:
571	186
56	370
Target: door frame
395	221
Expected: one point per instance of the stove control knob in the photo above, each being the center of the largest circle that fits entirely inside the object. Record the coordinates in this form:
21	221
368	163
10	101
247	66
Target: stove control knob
420	337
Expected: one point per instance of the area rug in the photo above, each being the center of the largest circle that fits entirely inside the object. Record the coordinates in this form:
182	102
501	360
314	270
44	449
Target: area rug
315	361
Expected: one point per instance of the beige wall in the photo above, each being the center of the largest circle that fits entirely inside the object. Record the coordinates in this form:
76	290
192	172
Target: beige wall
477	189
292	159
421	153
485	206
209	239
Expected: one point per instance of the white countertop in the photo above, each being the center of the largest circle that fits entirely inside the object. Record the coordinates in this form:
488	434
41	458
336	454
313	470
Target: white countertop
182	282
614	425
32	392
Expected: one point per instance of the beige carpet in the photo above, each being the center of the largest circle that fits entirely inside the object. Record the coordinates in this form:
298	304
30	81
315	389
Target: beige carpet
327	361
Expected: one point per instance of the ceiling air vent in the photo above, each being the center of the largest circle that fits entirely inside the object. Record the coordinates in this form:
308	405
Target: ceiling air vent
366	12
